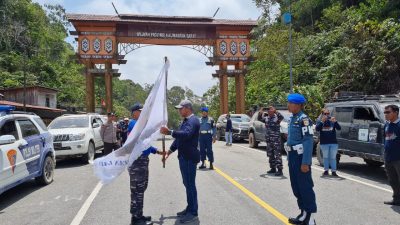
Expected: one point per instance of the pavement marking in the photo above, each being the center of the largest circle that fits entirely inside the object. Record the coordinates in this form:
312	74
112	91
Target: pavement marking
346	177
357	181
85	207
255	198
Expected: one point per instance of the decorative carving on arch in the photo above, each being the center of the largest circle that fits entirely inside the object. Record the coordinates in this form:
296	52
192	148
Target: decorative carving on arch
126	48
85	45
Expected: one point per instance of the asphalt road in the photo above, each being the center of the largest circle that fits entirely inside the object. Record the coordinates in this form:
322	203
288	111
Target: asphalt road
237	192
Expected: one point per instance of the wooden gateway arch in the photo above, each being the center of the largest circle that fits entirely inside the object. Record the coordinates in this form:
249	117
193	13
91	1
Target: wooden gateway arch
106	39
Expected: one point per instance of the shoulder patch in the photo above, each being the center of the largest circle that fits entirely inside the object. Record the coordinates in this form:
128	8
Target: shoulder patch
306	122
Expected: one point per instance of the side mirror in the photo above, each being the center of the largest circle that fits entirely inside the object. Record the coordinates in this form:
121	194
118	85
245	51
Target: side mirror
7	139
225	120
96	125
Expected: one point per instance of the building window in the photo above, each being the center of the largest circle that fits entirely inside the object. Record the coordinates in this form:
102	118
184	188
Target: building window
47	101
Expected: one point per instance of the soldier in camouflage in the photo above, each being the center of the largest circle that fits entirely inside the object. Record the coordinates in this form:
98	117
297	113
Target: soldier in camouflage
139	176
272	120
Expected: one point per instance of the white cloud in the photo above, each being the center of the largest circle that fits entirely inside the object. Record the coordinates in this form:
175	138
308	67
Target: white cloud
188	68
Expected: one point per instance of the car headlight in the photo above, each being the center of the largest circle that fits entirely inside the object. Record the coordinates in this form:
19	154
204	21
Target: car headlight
76	137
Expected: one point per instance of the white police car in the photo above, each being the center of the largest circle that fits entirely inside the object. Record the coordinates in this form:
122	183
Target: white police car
26	149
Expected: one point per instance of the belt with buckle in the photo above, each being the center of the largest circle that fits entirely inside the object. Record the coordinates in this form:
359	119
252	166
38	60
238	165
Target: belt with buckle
205	132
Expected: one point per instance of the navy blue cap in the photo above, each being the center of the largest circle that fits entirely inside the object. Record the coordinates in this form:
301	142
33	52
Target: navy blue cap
136	107
204	109
296	98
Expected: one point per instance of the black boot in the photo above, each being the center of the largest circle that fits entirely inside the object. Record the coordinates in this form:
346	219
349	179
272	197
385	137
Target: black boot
271	171
211	166
296	220
279	173
203	166
146	218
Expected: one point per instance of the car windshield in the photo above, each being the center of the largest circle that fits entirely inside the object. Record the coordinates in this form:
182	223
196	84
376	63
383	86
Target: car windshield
69	122
240	118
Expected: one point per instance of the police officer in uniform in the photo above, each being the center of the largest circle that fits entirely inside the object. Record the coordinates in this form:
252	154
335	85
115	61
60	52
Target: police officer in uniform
299	147
206	138
139	176
272	122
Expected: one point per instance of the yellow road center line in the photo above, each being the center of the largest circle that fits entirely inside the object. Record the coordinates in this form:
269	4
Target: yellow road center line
254	197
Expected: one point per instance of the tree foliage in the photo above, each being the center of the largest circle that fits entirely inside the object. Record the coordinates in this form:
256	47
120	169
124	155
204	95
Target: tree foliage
338	45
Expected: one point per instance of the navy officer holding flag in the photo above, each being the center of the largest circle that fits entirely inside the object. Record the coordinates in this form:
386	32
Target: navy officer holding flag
300	148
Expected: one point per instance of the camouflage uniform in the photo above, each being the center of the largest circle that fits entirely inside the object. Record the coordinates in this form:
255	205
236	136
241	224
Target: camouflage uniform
139	176
273	140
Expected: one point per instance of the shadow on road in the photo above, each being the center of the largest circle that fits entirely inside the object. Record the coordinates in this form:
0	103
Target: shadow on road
272	176
396	208
376	174
17	193
162	219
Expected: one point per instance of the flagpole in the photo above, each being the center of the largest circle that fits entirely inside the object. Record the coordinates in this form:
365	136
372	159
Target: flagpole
165	108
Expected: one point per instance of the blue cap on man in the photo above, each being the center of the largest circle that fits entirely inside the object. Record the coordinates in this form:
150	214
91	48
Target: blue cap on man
204	109
136	107
296	98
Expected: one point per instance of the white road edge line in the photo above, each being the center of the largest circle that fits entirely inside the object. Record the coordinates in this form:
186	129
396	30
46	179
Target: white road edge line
346	177
85	207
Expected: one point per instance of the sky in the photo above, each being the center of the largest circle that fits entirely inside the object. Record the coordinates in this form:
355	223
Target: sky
188	68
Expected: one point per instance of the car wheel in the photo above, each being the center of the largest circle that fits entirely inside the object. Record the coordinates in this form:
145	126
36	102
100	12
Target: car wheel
252	141
89	156
47	171
373	163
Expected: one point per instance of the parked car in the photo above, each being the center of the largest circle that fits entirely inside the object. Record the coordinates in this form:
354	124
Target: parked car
362	121
240	126
77	135
26	149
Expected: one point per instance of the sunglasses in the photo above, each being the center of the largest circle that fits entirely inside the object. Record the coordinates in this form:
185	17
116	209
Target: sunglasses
387	112
326	113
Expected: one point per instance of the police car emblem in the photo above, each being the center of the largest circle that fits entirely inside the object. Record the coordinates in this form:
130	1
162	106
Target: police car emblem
12	158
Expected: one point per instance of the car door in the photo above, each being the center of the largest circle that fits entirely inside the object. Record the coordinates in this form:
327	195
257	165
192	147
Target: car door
259	126
344	116
12	162
97	135
361	130
35	144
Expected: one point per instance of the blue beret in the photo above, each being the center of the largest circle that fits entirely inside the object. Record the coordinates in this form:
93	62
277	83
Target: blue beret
296	98
204	109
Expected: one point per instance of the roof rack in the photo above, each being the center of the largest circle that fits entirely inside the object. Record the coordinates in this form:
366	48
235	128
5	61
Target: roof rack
366	97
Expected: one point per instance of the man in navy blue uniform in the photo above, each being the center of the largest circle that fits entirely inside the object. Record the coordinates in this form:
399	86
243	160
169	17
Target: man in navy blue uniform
392	151
186	142
207	138
300	146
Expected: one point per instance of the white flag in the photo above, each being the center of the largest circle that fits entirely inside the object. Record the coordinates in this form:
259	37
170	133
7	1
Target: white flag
146	130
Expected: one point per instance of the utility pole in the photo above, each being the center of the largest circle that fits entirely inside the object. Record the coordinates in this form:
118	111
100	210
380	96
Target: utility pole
290	49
